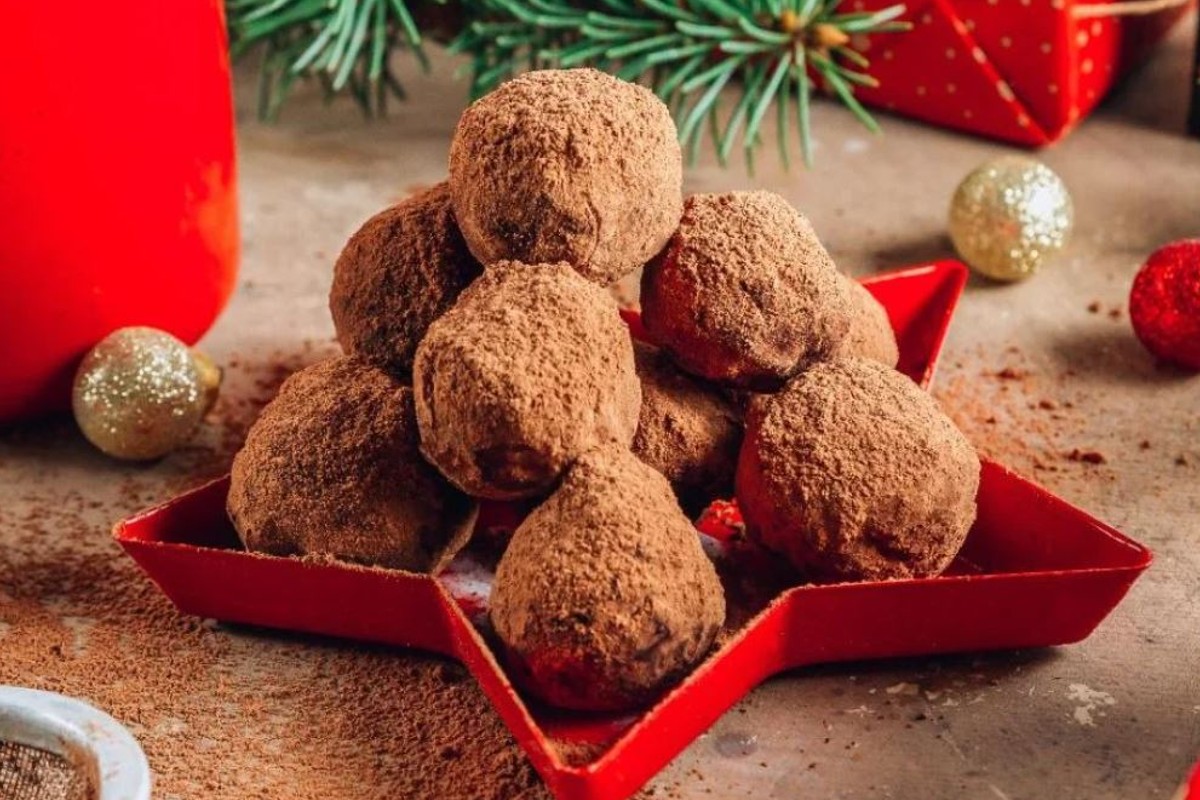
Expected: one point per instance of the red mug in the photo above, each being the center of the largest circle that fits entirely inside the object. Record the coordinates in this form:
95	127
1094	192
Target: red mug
117	183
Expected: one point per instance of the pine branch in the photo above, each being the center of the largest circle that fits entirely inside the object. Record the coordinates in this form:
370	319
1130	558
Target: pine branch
776	52
345	44
688	51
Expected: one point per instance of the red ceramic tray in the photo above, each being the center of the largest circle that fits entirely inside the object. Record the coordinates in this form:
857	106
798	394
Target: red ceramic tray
1034	572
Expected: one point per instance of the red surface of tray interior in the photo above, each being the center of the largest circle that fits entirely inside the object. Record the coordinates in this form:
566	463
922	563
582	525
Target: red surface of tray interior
1034	572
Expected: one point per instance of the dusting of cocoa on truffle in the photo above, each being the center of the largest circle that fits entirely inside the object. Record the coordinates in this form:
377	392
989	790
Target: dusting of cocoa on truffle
332	468
744	293
688	431
531	368
399	272
870	335
605	597
567	165
854	473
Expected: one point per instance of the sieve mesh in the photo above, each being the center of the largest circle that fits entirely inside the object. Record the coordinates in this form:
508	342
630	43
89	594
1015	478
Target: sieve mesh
28	773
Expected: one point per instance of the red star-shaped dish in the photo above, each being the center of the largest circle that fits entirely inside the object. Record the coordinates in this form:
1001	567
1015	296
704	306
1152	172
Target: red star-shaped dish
1035	572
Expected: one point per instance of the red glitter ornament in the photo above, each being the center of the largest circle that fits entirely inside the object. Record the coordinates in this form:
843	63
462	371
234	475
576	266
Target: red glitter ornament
1164	304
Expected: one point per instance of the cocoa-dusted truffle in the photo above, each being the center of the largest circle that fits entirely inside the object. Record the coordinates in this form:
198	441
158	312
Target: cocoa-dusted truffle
399	272
854	473
567	165
744	293
332	468
688	430
604	596
532	367
871	335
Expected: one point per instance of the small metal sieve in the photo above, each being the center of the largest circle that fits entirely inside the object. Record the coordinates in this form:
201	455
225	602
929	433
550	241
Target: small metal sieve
55	748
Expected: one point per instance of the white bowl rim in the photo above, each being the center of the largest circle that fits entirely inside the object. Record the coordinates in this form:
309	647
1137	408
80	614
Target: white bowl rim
81	732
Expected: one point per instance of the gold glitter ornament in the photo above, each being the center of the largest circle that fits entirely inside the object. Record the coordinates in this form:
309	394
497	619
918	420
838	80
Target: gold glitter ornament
1009	217
140	393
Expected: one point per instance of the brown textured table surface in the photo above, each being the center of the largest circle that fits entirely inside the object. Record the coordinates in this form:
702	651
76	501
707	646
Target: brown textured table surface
1032	372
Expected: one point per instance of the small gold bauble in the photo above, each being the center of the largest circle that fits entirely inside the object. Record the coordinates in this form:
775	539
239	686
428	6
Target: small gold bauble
140	393
1009	217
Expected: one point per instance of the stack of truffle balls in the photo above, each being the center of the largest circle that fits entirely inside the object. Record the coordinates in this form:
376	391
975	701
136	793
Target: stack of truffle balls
485	358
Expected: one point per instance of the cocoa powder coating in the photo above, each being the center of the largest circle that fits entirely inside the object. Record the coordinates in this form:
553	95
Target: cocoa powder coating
688	430
567	165
531	368
605	597
332	468
399	272
871	335
854	473
744	293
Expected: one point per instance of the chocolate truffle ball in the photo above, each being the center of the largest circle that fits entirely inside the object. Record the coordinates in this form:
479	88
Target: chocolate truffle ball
605	597
403	269
531	368
744	293
688	430
567	165
854	473
871	335
332	468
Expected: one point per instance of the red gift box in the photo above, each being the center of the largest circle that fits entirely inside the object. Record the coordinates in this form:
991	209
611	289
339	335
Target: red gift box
1022	71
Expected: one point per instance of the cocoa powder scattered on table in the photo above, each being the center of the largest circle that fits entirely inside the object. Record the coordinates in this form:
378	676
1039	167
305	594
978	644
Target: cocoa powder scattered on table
230	713
1022	415
224	713
1087	456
